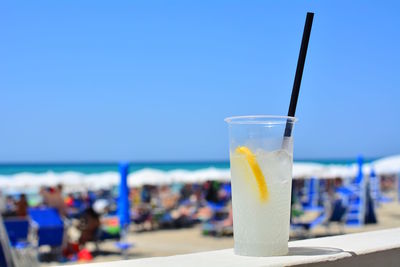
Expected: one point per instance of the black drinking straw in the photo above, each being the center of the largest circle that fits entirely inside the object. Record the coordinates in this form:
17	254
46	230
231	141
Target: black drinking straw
299	72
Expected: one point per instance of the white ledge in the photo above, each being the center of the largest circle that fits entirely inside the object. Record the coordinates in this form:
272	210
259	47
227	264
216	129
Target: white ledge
378	248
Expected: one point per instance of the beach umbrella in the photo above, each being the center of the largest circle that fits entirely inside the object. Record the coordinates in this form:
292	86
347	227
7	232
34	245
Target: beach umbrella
370	216
123	201
374	184
387	165
360	175
123	209
333	171
306	170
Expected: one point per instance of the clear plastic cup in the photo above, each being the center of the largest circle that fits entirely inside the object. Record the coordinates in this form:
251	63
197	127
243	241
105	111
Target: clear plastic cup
261	161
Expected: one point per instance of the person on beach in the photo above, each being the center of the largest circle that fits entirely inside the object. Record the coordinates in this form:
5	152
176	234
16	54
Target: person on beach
52	197
10	208
22	206
89	226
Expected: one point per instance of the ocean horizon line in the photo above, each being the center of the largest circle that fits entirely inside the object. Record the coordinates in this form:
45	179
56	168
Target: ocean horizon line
87	167
168	162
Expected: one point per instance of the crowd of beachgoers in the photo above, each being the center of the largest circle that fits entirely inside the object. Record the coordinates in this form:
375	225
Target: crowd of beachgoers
93	214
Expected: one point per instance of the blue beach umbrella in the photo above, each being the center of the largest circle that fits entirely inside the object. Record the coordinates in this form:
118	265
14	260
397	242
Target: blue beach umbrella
356	201
372	195
374	185
123	201
360	175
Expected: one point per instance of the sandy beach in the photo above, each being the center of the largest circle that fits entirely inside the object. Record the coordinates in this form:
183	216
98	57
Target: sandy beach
182	241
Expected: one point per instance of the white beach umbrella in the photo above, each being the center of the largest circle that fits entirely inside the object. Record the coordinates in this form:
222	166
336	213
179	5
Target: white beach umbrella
148	176
323	171
302	170
339	171
387	165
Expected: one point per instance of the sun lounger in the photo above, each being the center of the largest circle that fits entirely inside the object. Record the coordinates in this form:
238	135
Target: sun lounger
16	252
49	226
310	219
312	200
17	230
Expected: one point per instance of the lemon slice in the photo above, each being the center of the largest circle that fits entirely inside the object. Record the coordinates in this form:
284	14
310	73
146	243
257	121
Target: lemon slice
255	168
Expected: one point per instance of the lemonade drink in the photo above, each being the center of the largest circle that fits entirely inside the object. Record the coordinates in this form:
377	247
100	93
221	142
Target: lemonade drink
261	171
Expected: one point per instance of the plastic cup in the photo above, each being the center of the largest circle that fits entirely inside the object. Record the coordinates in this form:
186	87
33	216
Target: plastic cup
261	161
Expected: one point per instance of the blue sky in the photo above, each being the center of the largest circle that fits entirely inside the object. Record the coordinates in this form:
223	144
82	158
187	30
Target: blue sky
153	80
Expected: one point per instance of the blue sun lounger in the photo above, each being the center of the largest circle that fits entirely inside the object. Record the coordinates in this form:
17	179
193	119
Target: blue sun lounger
49	226
17	230
15	251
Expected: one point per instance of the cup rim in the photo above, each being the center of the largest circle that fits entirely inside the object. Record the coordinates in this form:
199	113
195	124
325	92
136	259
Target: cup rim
261	119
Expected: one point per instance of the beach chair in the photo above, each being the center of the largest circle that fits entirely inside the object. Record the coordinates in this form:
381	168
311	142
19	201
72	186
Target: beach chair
313	214
108	230
6	258
215	206
353	198
166	221
355	194
3	259
15	252
313	194
304	227
338	215
375	190
17	229
48	228
212	226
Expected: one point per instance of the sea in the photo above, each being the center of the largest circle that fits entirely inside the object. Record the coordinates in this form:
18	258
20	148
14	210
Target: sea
93	168
102	167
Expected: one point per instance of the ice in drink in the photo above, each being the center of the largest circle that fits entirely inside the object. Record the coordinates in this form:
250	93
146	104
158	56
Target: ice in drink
261	185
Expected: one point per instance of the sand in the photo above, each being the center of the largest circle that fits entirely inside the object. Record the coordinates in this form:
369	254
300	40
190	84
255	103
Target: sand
181	241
